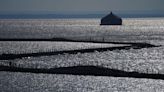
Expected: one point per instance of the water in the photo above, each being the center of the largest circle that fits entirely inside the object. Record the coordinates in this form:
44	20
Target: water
145	60
133	29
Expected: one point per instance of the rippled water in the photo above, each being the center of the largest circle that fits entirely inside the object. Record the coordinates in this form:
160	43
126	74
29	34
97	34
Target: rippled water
145	60
133	29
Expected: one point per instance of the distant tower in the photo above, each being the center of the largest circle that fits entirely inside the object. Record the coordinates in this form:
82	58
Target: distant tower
111	19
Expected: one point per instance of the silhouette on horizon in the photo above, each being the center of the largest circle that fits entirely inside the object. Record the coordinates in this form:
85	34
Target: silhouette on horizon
111	19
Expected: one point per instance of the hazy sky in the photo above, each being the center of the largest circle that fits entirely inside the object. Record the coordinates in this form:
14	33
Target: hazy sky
81	5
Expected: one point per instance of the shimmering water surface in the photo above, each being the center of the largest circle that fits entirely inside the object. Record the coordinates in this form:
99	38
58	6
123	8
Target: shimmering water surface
134	30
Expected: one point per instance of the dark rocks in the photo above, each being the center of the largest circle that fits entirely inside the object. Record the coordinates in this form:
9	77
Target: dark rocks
111	19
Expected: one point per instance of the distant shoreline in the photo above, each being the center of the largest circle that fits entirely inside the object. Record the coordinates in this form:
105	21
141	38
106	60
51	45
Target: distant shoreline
62	16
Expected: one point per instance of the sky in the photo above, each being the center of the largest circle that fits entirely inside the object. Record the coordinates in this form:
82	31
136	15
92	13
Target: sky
80	6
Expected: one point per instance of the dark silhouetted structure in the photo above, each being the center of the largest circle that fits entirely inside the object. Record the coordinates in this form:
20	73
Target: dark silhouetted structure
111	19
